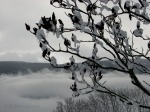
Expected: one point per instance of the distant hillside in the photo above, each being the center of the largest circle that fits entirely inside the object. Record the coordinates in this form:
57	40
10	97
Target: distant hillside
10	67
13	67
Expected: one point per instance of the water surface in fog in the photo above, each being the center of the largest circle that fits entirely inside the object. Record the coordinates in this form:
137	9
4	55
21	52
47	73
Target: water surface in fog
39	92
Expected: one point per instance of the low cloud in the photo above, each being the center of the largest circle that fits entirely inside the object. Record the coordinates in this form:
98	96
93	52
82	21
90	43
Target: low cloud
39	92
33	92
21	56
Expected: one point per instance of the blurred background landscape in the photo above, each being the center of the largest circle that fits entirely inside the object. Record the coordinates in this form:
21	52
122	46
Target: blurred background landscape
36	87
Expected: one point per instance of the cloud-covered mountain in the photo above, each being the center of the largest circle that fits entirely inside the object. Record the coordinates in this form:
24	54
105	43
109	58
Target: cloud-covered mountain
14	67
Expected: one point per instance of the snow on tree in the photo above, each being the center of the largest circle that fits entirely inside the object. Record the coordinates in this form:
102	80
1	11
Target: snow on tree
103	28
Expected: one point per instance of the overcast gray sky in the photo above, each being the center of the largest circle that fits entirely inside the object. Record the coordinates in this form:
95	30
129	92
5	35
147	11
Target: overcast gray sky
15	42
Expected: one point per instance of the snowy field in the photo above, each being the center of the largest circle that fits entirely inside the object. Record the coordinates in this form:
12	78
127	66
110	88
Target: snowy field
39	92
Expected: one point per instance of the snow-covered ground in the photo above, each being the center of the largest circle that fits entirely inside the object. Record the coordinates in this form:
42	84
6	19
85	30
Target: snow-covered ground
39	92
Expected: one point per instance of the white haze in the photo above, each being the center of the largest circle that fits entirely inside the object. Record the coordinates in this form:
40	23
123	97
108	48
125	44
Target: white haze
39	92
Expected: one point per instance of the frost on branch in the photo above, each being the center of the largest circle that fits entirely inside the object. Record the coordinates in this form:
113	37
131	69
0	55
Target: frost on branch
139	31
97	27
74	39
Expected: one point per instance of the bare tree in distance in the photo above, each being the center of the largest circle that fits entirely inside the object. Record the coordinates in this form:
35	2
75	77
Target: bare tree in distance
106	34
